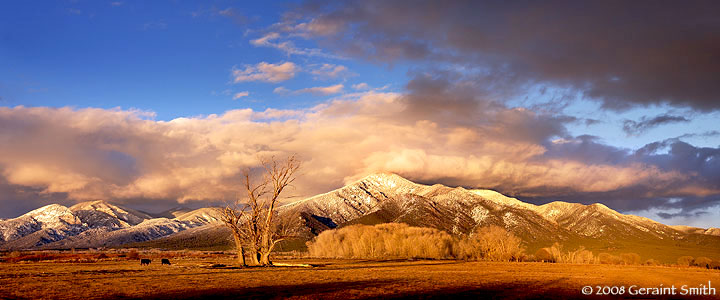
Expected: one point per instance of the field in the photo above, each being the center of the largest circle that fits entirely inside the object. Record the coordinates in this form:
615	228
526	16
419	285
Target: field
193	277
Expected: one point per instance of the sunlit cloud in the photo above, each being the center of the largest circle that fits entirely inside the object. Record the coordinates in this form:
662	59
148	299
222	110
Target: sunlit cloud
240	95
266	72
360	86
322	90
124	156
276	40
329	71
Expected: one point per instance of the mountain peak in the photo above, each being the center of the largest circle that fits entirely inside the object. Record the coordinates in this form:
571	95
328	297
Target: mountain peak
386	179
132	217
53	213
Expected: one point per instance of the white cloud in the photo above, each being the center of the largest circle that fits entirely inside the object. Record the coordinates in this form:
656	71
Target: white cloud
322	90
360	86
275	40
240	95
226	12
281	90
317	28
266	72
329	71
116	155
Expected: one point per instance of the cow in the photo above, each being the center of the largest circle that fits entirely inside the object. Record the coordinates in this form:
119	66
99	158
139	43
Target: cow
145	262
165	261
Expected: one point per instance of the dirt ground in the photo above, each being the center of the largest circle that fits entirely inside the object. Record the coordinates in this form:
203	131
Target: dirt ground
196	278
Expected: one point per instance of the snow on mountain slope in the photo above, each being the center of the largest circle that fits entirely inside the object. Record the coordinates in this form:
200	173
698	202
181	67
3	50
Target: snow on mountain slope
86	224
378	198
202	216
355	200
391	198
102	214
103	237
381	198
501	199
597	220
54	221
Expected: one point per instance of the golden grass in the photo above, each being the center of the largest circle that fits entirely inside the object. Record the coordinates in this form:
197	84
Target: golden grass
193	277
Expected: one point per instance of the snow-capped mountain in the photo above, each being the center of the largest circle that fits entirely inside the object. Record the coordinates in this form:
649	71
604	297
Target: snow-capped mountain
378	198
381	198
102	214
202	216
46	224
94	224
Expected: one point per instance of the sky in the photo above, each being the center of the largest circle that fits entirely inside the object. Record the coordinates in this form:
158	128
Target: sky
155	104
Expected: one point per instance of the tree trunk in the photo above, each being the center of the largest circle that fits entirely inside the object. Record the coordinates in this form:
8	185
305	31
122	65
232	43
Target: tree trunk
240	250
265	258
255	257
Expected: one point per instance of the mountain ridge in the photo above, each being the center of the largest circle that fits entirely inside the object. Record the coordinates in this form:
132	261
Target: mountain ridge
376	198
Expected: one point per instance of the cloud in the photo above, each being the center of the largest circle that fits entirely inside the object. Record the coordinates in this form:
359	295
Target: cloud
322	90
360	86
116	3
124	156
266	72
277	41
635	128
329	71
239	95
281	90
598	49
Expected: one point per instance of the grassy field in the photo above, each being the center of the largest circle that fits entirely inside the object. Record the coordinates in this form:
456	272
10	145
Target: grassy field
193	277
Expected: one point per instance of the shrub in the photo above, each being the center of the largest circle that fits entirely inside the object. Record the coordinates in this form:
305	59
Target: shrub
579	256
702	262
715	265
609	259
133	254
555	254
630	258
544	255
494	243
651	262
685	261
392	240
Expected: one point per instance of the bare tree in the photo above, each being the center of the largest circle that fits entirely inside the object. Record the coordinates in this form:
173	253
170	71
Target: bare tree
254	221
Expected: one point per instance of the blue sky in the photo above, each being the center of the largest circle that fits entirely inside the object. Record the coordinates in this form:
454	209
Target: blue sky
635	119
173	59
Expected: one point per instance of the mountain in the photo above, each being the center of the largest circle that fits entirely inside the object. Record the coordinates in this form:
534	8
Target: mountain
381	198
201	216
102	214
94	224
106	237
173	212
378	198
43	225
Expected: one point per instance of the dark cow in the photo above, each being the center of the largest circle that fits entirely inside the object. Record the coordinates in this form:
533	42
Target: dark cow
145	262
165	261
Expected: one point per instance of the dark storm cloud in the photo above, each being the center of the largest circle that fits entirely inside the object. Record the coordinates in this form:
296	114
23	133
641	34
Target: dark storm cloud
624	53
637	127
